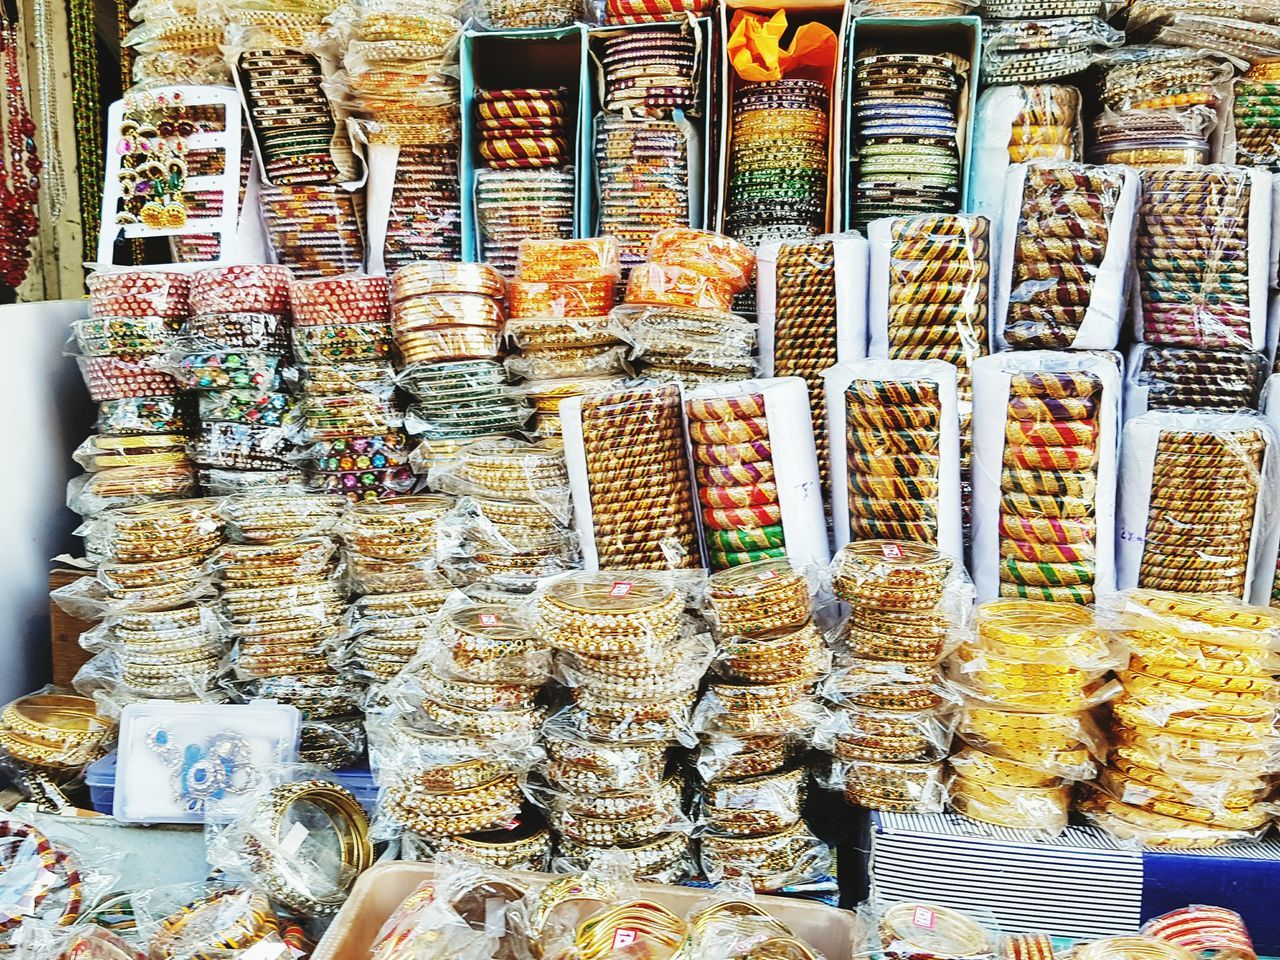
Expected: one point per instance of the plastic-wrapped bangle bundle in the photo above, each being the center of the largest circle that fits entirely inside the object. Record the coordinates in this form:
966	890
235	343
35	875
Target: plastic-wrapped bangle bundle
1032	51
448	321
134	315
1048	487
425	220
893	422
653	11
1257	129
1194	733
563	350
355	448
1242	37
733	465
650	71
291	116
915	931
390	551
901	596
238	346
1200	515
1194	251
1154	138
1203	928
804	334
778	161
634	679
643	167
916	8
638	480
1047	126
1063	231
1047	661
518	528
172	44
528	188
525	14
1180	377
939	277
1138	77
315	229
908	155
528	847
677	308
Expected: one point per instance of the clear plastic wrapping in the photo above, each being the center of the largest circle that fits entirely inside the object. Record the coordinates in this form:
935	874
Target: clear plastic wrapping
1032	51
1019	123
1066	232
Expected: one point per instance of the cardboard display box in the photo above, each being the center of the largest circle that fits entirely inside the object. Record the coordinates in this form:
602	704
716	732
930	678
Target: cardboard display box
833	13
959	35
1079	885
506	59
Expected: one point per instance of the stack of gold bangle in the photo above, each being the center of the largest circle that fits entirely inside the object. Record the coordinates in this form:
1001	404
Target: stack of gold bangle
259	518
762	597
183	531
489	642
393	627
527	847
1131	948
1194	734
447	315
650	927
768	861
54	731
514	470
603	614
664	858
751	806
1034	668
225	921
170	653
306	886
126	484
891	730
1027	946
915	931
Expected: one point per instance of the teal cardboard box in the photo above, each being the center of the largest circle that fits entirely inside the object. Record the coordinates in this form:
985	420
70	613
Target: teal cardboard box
959	35
506	59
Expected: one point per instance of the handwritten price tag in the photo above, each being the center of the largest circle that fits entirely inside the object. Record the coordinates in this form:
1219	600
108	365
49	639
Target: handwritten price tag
924	918
620	588
624	937
891	551
489	619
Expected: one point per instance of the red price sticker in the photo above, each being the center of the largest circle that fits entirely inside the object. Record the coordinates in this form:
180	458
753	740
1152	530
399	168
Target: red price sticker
620	588
768	575
924	917
891	551
489	619
624	937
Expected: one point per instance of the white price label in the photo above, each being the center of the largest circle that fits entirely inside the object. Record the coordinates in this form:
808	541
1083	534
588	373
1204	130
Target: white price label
292	841
489	619
891	551
924	918
620	588
624	937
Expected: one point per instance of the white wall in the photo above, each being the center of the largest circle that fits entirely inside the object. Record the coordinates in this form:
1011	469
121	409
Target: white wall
45	412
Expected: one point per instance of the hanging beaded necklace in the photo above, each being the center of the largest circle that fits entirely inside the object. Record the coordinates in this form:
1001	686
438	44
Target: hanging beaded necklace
19	166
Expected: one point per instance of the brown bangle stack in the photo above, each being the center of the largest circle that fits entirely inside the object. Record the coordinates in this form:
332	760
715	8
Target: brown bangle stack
638	480
1199	533
1047	524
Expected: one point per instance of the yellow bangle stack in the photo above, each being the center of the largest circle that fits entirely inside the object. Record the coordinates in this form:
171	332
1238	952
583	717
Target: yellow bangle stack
1194	733
54	731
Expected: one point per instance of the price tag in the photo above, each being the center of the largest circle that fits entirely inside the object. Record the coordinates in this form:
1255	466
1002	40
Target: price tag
891	551
924	918
768	575
620	588
265	950
489	619
292	841
624	937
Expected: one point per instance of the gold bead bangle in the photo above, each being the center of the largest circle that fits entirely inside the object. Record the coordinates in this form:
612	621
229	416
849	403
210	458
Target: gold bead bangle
913	931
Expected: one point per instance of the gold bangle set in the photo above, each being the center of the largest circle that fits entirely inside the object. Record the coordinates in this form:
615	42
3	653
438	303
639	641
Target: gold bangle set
660	858
763	859
647	926
761	597
230	920
165	530
600	614
495	849
271	518
788	655
275	865
1196	722
751	806
916	931
54	731
400	529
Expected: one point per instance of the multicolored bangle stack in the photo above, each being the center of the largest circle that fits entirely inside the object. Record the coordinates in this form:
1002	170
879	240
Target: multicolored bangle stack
737	489
448	320
238	347
1062	239
905	123
625	436
1257	129
894	441
1193	736
527	190
564	351
804	330
1049	487
1200	519
1193	232
314	229
1033	670
425	219
1054	46
891	736
1190	377
678	304
653	11
390	551
642	153
347	416
134	315
778	147
634	681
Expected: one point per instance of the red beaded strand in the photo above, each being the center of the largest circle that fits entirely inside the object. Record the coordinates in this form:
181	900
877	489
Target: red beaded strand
20	175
